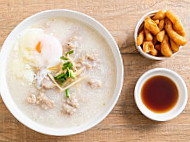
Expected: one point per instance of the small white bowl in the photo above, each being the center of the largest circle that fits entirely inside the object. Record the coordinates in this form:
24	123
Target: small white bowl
139	48
182	89
6	96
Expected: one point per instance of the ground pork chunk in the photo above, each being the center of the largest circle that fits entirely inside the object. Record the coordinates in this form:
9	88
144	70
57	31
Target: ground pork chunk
92	57
41	100
68	109
72	101
81	62
31	99
44	101
70	105
94	83
72	43
47	83
89	61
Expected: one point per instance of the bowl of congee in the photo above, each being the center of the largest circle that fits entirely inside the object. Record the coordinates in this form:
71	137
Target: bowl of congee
61	72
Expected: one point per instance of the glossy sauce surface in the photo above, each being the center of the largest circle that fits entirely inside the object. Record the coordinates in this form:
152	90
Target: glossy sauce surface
159	94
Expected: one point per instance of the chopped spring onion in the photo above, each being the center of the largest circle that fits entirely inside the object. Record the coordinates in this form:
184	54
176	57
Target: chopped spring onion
59	76
67	93
64	58
67	72
67	65
62	77
69	52
71	74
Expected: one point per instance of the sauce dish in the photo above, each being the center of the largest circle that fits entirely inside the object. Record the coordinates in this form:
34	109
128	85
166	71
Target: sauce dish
182	92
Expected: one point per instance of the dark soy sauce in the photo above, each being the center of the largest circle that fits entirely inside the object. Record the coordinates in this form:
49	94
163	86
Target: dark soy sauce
159	94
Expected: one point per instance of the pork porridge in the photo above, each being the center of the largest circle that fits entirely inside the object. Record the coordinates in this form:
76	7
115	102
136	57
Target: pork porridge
61	73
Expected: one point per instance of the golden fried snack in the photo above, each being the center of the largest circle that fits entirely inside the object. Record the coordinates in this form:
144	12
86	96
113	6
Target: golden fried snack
148	46
147	17
140	38
158	47
151	26
176	23
178	39
154	52
148	35
156	21
160	36
161	24
174	46
165	47
159	15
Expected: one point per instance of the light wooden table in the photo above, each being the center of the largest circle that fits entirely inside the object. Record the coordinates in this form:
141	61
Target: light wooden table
125	122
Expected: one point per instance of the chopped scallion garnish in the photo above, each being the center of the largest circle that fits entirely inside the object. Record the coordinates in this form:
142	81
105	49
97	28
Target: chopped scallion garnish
69	52
67	69
69	72
59	76
67	65
70	65
64	58
72	74
67	93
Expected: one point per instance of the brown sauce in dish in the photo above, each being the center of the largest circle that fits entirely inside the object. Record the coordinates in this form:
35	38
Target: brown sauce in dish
159	94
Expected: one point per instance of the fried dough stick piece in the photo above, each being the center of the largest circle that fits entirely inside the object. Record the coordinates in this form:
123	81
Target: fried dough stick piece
178	39
159	15
174	46
151	26
148	47
157	21
140	38
154	52
161	25
176	23
148	35
160	36
165	47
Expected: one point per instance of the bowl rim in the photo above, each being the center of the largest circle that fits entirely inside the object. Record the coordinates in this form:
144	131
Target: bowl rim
138	99
139	47
17	113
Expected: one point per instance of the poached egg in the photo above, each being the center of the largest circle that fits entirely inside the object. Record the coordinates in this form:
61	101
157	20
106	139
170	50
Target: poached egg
39	49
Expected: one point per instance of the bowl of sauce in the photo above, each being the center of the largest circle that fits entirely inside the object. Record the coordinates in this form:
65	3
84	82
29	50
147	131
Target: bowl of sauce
161	94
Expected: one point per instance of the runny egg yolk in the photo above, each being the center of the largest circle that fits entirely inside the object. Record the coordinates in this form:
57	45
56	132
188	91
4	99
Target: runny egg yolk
38	47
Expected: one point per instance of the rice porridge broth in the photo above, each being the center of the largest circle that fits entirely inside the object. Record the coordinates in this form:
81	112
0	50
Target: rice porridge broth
92	94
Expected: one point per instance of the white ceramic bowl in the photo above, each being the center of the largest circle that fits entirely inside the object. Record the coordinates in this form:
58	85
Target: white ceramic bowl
139	48
182	89
6	96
